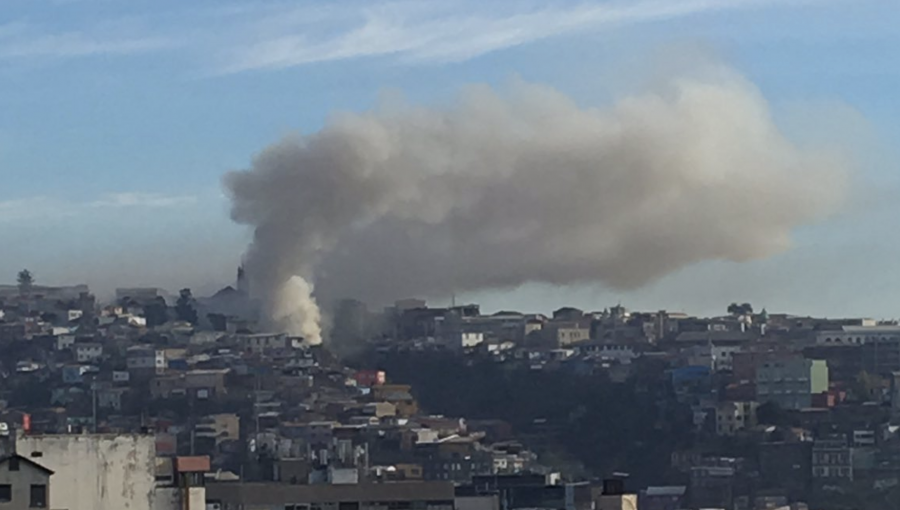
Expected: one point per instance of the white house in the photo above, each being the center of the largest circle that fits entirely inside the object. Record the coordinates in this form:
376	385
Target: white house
462	340
138	321
88	352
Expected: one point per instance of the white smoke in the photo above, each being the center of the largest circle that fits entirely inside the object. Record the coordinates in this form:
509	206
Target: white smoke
295	311
501	189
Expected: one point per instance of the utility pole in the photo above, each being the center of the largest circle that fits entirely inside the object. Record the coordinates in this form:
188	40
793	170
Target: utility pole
94	401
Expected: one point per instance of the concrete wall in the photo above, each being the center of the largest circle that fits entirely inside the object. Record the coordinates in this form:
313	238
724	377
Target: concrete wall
170	498
96	472
477	503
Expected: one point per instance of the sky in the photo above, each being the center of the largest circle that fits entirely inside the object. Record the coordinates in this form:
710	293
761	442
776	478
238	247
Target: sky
118	119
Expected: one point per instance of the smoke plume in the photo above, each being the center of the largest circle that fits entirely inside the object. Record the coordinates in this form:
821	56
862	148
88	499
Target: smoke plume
504	188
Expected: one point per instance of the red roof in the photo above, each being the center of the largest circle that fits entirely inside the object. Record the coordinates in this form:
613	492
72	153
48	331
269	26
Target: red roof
199	464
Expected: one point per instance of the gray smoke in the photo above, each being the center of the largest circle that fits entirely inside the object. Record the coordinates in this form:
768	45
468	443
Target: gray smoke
501	189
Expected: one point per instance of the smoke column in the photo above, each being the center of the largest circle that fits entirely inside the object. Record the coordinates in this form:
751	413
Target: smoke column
504	188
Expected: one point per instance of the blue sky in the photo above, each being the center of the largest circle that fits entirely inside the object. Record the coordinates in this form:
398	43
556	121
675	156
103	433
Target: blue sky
117	119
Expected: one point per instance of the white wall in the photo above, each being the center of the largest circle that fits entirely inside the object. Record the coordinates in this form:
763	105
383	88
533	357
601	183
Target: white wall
169	498
471	339
96	472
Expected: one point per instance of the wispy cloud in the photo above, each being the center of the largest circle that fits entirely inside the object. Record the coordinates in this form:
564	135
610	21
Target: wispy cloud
21	40
24	209
153	200
40	208
417	32
257	35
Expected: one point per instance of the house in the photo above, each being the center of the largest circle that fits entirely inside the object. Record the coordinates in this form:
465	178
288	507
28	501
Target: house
87	352
399	395
74	374
201	384
462	339
218	428
145	359
205	337
621	352
563	334
368	378
24	484
379	409
111	398
718	356
662	498
732	417
260	343
64	342
712	486
832	458
124	464
791	382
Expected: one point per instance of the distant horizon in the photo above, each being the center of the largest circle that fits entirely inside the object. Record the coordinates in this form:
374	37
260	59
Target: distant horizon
485	311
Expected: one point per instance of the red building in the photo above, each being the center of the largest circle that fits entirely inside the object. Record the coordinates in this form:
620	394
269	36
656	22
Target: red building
369	378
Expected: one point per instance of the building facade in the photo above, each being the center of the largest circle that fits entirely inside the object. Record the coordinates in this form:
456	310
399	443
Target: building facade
733	417
95	472
380	496
832	459
24	484
791	382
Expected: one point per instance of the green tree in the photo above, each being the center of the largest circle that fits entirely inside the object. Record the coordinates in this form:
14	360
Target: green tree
25	280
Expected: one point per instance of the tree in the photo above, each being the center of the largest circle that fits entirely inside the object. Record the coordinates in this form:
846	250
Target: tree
25	280
866	387
185	308
742	309
771	413
156	312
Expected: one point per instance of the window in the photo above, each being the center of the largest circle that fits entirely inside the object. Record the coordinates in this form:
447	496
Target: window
38	496
5	493
13	463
